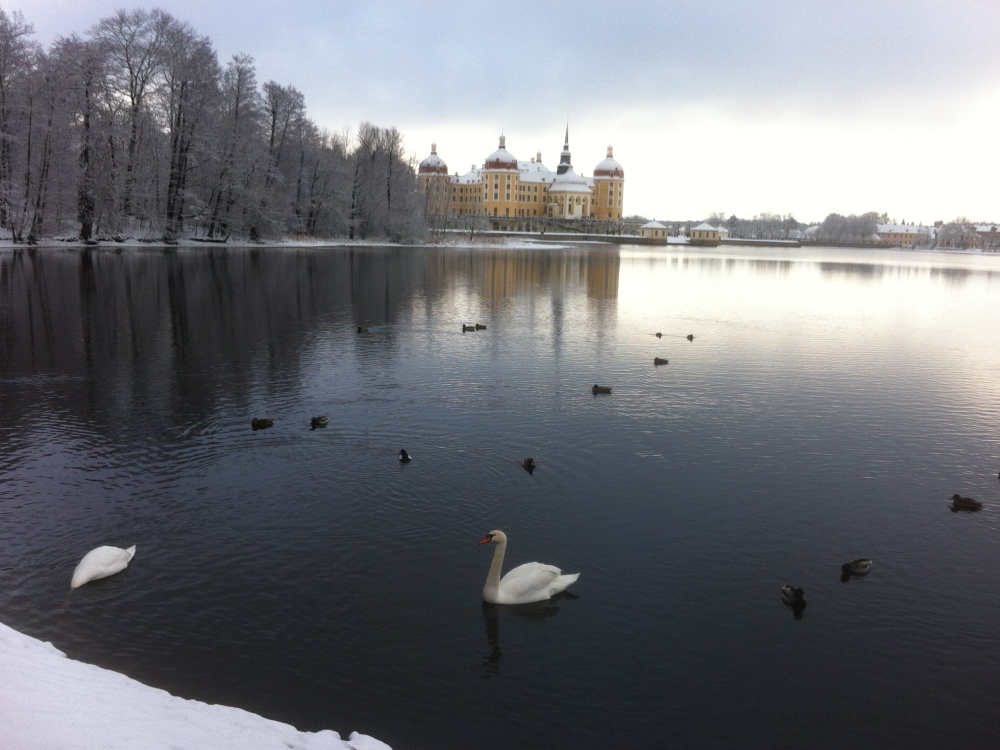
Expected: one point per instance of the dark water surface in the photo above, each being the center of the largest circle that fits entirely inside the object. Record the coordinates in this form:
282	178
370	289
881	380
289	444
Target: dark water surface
830	404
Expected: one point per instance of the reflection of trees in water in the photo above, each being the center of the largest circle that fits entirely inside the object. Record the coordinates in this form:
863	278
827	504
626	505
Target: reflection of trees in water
173	333
864	271
881	271
954	276
716	266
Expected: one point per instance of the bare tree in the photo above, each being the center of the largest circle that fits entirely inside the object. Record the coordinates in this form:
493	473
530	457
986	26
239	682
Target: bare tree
237	137
191	74
134	43
17	61
135	129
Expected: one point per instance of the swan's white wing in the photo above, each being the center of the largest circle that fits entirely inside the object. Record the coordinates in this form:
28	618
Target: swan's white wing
530	582
101	563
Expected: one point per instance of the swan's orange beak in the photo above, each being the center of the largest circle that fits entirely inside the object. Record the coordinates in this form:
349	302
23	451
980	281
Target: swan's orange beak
486	539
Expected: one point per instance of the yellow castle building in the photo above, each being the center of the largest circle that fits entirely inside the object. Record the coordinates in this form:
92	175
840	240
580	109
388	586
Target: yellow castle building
510	194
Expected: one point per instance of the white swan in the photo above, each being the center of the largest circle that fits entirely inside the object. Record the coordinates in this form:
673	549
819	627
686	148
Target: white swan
531	582
101	563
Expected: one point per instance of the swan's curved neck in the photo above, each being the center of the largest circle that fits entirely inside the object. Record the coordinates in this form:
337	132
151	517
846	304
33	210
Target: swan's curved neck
493	578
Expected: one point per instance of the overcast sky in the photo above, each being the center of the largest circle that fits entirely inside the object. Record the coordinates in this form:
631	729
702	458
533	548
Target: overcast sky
733	106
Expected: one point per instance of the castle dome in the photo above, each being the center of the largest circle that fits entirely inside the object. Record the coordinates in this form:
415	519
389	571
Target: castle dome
433	164
501	158
609	167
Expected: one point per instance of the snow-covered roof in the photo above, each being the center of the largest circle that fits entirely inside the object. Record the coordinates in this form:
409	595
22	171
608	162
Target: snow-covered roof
570	182
535	171
473	177
433	164
705	227
652	225
609	167
501	158
898	229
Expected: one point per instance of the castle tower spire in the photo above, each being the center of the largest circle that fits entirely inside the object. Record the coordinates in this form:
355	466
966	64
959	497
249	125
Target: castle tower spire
565	164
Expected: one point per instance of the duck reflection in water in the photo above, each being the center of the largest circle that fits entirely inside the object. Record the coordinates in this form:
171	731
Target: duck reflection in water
535	613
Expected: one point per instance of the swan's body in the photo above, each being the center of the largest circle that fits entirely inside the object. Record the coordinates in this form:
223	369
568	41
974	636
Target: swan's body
792	596
965	503
531	582
101	563
857	567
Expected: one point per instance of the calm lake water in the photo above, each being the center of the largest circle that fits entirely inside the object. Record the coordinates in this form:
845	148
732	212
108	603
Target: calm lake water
829	405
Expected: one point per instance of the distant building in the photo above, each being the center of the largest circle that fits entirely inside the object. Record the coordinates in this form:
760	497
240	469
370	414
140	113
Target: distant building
989	235
704	234
906	235
653	230
902	235
510	193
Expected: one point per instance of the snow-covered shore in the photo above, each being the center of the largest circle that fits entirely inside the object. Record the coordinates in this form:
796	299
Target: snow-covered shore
49	701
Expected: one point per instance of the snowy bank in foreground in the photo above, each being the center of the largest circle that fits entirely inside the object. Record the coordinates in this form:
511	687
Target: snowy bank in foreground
50	701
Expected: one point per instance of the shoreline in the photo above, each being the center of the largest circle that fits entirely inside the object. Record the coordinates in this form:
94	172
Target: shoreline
48	700
500	240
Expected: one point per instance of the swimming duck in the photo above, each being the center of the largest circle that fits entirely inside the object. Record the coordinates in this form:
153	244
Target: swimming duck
319	422
529	465
658	335
362	329
600	389
480	327
261	424
404	457
856	567
965	503
792	596
690	337
659	361
467	328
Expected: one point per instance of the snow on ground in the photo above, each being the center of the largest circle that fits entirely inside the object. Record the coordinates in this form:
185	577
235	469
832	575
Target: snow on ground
49	702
